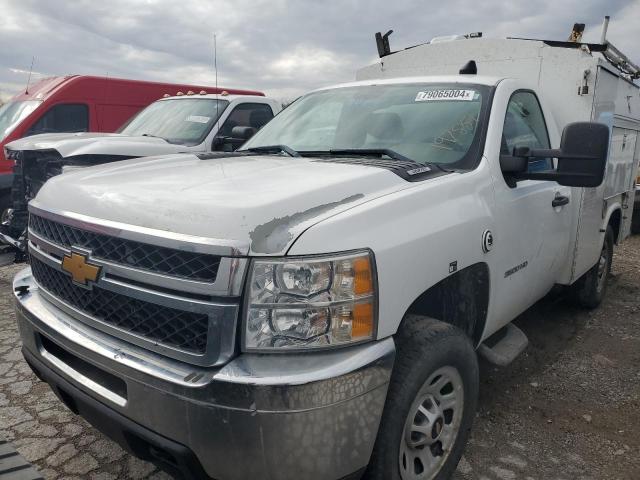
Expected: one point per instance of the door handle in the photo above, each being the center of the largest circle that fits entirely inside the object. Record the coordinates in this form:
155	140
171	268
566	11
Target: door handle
559	201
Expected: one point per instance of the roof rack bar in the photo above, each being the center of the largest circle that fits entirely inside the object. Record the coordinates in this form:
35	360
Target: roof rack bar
621	61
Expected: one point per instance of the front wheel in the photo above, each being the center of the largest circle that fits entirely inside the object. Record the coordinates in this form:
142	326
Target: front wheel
430	405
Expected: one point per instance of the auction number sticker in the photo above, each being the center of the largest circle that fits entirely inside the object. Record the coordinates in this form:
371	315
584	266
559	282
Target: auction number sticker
449	94
198	119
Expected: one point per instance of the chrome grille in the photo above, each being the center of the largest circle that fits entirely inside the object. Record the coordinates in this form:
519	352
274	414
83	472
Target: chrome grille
171	327
144	256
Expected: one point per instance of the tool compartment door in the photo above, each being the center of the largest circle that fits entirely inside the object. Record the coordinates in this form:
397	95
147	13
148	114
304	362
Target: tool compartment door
614	106
621	170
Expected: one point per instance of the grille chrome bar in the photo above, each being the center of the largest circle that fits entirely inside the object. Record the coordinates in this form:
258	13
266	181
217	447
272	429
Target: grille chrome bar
141	256
228	281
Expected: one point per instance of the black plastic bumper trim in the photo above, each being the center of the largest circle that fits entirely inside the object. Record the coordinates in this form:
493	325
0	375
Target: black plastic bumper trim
168	455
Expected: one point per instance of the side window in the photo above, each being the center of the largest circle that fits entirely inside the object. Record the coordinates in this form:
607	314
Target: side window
254	115
524	126
62	118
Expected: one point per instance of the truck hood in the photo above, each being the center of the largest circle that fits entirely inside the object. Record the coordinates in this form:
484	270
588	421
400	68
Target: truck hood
258	204
90	143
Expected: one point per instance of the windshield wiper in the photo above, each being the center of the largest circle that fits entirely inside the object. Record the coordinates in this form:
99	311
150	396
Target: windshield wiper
375	152
172	142
378	152
273	148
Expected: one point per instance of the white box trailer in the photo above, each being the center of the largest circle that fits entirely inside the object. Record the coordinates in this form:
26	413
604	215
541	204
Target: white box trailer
578	84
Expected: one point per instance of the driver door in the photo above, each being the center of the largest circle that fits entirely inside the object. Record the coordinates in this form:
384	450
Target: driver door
532	217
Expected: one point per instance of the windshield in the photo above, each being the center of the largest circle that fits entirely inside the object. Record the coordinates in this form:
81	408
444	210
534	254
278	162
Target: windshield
428	123
12	113
183	121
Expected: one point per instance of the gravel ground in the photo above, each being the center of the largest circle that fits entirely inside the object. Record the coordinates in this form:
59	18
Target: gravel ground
568	408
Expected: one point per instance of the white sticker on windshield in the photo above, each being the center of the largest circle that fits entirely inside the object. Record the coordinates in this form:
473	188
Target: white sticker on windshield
198	119
450	94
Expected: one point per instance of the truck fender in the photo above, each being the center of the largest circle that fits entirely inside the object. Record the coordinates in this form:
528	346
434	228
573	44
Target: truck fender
613	217
461	299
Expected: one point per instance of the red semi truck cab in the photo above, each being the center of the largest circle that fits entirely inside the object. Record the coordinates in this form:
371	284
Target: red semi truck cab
79	103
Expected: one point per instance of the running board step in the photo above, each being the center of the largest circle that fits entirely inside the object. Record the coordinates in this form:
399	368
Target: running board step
504	346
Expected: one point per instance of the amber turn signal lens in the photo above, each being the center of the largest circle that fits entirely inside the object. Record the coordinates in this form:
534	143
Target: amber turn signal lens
362	323
362	276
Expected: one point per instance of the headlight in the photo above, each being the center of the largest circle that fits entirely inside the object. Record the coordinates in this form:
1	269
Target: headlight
310	302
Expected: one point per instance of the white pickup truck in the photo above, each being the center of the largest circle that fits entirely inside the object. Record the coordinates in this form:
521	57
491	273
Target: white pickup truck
175	124
310	307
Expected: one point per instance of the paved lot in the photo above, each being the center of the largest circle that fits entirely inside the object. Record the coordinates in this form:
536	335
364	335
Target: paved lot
569	408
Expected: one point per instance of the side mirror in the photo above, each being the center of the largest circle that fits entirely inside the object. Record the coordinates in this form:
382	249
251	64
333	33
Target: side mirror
584	146
239	135
243	133
582	157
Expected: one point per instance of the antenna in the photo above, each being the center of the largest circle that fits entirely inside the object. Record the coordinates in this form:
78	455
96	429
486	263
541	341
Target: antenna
26	90
215	58
215	67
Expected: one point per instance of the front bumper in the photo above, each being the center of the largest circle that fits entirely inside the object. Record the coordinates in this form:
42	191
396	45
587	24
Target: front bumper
312	416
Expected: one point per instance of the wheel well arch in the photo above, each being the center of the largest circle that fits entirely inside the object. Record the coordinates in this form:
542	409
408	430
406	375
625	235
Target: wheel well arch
615	220
461	299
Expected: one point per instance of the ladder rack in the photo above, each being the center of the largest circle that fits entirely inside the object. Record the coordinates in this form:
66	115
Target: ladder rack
619	60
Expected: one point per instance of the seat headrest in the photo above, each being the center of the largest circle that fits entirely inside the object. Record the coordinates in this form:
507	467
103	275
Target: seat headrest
385	125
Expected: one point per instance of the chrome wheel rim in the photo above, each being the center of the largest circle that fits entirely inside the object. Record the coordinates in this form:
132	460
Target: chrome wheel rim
603	266
432	425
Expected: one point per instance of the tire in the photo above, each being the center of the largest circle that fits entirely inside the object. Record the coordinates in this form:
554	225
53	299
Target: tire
635	221
431	357
589	290
5	200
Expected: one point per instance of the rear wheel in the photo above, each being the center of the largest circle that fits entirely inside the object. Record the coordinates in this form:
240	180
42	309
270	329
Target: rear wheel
5	204
430	404
590	289
635	221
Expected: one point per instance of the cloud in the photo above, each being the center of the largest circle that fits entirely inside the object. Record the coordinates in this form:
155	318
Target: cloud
283	47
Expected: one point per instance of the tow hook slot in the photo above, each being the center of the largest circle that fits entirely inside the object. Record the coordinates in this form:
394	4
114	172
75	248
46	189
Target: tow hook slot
22	290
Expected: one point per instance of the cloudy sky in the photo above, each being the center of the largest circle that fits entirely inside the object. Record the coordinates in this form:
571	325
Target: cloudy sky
283	47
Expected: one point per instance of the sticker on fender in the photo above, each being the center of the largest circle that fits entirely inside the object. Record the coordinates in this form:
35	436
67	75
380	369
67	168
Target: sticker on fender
451	94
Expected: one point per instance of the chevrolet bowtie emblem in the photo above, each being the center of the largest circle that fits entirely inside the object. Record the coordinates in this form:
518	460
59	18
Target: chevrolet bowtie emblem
81	271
